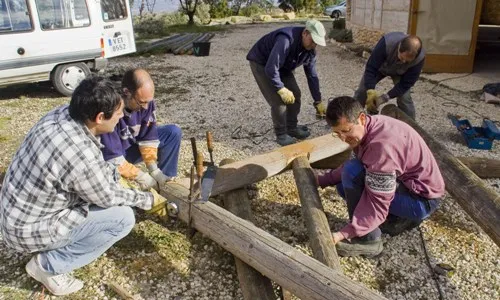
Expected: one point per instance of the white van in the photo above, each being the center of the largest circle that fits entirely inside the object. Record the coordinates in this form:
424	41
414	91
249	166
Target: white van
61	40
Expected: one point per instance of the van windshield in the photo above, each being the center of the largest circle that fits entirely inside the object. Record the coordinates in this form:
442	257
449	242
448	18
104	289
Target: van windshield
113	10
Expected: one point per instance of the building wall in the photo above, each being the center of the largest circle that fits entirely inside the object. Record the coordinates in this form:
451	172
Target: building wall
381	15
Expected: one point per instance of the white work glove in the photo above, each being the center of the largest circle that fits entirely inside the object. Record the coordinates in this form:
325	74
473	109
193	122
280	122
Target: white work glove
146	181
158	175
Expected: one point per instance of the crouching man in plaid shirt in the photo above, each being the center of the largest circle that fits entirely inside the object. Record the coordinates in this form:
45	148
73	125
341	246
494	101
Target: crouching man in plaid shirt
60	199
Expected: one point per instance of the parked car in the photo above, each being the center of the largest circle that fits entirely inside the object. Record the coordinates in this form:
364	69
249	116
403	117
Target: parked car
336	11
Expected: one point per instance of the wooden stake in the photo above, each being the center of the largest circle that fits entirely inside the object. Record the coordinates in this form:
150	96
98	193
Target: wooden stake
320	237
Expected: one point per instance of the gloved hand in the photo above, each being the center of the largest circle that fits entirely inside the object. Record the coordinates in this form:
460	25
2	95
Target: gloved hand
286	95
320	109
158	175
159	207
146	181
374	100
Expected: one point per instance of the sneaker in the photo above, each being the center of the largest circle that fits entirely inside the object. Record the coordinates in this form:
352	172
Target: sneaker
299	133
357	248
395	225
58	285
285	140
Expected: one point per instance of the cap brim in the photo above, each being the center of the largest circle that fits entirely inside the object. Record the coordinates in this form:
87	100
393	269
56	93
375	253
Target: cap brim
319	40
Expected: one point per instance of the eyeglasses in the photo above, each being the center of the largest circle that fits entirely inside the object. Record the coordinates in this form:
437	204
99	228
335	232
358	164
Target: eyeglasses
141	103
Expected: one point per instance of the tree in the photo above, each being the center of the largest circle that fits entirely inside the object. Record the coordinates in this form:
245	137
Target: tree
189	8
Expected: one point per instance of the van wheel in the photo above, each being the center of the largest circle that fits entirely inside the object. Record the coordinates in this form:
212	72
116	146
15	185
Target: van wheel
335	14
67	77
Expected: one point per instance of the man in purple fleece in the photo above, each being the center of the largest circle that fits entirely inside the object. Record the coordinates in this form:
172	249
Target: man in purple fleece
394	181
138	138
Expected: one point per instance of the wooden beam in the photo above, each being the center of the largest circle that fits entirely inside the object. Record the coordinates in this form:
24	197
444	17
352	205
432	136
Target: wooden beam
260	167
482	167
476	198
304	276
320	237
332	162
252	283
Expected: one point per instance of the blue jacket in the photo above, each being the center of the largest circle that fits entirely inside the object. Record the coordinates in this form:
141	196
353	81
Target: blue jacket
384	62
281	51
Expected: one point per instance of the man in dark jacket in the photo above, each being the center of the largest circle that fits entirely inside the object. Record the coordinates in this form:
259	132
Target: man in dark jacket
272	60
399	56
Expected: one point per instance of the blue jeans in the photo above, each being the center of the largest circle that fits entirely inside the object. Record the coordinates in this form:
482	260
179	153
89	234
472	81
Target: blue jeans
85	243
170	137
405	204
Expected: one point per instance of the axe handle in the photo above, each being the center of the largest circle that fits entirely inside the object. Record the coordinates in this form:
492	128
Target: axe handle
210	146
195	151
199	165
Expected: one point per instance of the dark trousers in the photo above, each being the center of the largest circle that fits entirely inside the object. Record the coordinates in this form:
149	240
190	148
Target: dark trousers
284	116
405	205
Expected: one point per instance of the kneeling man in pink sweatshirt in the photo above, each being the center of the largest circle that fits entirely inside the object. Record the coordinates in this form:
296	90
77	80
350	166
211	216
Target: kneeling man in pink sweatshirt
391	185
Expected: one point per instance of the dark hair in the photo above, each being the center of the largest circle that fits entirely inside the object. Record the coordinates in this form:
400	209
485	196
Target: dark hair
343	106
92	96
411	44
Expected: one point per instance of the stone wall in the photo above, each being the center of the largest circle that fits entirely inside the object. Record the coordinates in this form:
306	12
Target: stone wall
383	15
364	36
491	12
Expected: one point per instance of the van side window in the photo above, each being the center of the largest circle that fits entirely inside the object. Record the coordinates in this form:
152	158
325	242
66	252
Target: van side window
14	16
60	14
113	10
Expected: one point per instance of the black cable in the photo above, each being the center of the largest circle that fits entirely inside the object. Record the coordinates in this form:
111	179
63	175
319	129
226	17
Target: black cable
436	279
236	134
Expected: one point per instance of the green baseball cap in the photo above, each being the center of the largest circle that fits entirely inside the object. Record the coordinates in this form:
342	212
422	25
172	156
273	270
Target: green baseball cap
317	31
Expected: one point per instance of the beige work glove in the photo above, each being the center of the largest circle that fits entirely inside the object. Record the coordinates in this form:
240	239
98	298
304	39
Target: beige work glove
146	181
320	109
158	175
159	207
286	95
374	100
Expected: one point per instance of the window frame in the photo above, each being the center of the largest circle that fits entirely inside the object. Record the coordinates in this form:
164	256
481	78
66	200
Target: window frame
30	15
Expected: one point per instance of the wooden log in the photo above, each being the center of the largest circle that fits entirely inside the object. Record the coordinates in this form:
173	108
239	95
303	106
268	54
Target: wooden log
304	276
320	237
252	283
477	199
482	167
260	167
332	162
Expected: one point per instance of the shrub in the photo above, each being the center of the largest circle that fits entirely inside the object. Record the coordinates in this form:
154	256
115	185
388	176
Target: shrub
203	12
252	10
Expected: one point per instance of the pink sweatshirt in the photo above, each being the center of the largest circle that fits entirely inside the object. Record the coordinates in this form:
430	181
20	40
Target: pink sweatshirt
390	150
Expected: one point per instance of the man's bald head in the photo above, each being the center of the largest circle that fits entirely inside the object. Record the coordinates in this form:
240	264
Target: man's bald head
136	78
411	45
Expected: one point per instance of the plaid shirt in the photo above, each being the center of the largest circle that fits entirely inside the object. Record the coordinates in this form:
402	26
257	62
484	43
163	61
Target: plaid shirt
55	175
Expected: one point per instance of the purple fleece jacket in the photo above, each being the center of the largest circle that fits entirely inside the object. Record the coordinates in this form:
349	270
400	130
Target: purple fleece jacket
392	152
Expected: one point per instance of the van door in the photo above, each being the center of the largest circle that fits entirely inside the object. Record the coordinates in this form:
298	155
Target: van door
118	33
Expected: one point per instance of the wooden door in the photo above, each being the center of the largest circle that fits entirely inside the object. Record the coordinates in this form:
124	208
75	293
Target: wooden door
448	29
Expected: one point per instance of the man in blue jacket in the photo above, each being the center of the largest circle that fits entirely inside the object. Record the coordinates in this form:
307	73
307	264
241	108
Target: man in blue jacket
272	61
138	138
399	56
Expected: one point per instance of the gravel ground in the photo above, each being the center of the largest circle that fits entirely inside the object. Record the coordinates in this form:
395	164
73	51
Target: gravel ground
218	93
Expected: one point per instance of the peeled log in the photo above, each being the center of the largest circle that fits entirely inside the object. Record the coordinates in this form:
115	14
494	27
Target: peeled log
256	168
253	284
474	196
304	276
320	236
482	167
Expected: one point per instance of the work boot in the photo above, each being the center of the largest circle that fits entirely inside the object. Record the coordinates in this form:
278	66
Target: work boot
395	225
357	247
299	133
58	285
285	140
